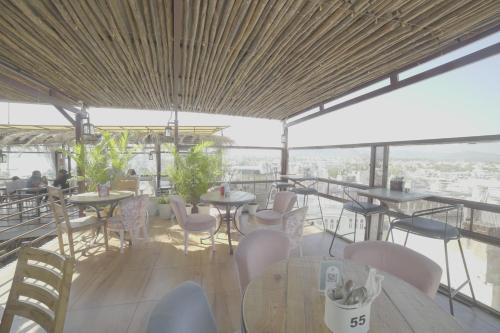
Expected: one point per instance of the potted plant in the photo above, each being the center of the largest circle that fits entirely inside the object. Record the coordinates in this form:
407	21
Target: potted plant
252	208
164	209
102	162
203	208
194	172
189	208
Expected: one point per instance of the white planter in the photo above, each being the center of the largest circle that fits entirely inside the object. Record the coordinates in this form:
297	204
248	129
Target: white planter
189	207
152	207
165	211
252	208
204	209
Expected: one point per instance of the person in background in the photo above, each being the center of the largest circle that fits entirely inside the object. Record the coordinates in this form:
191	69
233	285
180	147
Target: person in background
45	181
15	178
35	180
61	180
131	172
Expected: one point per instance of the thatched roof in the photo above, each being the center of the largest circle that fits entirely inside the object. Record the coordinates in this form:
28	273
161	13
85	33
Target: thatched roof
57	135
254	58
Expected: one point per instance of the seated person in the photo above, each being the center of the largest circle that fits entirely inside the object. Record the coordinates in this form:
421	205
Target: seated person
35	180
131	172
61	180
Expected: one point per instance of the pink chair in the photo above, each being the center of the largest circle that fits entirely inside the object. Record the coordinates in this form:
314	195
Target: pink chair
399	261
193	223
257	251
283	203
293	226
132	219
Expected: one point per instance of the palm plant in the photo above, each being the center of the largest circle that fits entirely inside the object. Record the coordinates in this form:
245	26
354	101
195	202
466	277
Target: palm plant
195	171
103	162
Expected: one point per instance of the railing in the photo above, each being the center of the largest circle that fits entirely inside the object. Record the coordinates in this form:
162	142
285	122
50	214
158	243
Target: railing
26	219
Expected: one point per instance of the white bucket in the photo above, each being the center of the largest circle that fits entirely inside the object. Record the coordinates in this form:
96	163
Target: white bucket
340	318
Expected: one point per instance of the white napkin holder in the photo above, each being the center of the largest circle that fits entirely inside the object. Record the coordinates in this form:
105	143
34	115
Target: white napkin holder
340	318
343	318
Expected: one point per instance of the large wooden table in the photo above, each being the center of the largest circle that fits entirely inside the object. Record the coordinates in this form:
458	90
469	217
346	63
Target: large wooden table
287	299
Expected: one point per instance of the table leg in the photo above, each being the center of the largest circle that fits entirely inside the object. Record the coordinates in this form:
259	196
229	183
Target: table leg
228	221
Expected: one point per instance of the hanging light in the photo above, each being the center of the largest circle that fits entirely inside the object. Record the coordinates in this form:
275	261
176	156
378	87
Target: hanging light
151	156
3	157
169	130
88	128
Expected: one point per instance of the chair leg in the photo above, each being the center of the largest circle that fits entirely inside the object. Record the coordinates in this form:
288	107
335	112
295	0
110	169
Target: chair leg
212	236
355	225
448	276
71	244
406	239
186	237
122	240
335	233
466	270
321	212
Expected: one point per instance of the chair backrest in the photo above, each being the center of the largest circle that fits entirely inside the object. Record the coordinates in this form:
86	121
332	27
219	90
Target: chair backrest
179	207
284	201
293	225
40	290
133	212
400	261
130	183
58	206
257	251
183	310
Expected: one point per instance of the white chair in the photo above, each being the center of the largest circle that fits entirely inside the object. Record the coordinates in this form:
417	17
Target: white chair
283	203
132	219
193	223
293	226
257	251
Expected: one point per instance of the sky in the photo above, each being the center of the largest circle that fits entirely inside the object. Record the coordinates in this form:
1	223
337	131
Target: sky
463	102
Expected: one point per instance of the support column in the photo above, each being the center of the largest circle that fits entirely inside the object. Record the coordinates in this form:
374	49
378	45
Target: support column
284	149
176	131
158	166
80	172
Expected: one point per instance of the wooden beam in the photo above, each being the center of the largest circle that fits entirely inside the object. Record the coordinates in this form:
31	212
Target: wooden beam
43	93
398	84
65	114
178	22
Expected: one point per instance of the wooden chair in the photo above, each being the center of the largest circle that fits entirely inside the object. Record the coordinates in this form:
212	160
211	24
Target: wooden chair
70	226
40	290
126	184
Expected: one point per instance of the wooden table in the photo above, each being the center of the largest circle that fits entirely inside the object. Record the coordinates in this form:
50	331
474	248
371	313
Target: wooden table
287	299
92	199
231	199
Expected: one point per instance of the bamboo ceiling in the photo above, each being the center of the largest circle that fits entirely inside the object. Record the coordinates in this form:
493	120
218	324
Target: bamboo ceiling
261	58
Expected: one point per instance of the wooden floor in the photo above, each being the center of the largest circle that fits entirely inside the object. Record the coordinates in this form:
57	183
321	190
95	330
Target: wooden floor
115	292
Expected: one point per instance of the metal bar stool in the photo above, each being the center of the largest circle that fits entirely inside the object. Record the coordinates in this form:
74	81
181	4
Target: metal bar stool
306	192
420	224
357	207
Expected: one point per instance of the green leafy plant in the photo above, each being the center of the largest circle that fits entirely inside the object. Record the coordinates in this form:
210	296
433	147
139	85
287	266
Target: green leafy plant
163	200
195	171
104	161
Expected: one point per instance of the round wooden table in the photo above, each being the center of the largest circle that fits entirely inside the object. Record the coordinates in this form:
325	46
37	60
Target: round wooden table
287	299
231	199
92	199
